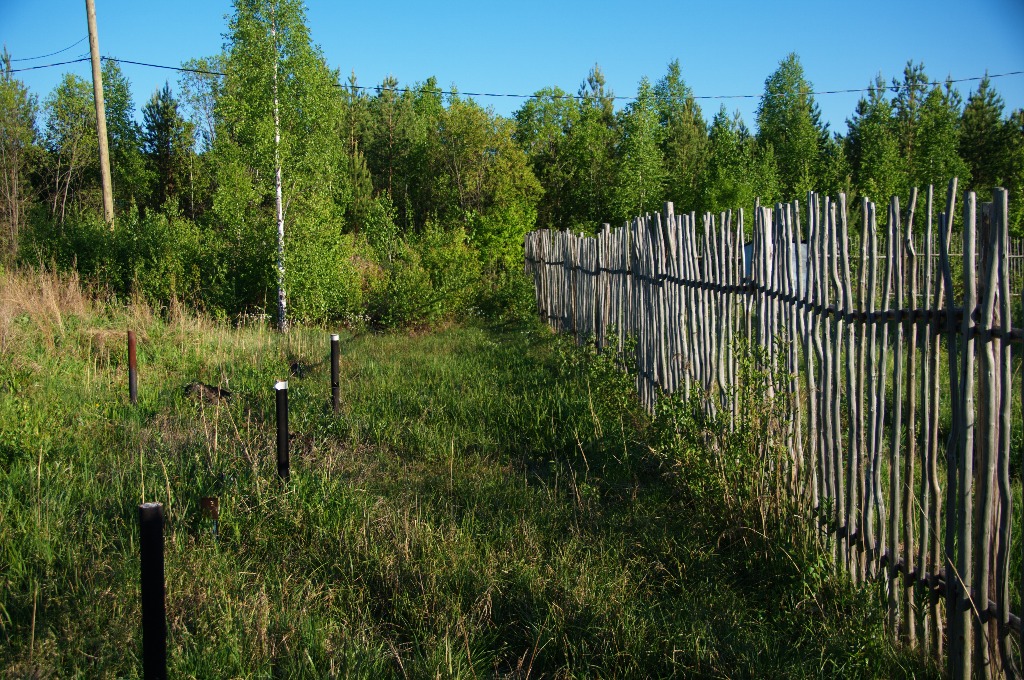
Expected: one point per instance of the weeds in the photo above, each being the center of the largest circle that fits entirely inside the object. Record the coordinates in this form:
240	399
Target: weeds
491	502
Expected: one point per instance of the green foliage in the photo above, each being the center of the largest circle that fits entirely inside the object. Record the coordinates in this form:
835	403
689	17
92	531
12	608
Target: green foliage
128	173
18	110
874	148
72	166
321	277
936	159
431	278
160	257
367	173
640	179
168	144
985	141
684	139
507	295
738	170
543	126
743	470
380	229
789	120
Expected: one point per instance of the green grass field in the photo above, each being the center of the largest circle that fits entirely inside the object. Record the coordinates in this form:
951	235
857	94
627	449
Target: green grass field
491	502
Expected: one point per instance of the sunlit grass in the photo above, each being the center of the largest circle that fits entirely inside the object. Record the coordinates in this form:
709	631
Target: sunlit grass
490	502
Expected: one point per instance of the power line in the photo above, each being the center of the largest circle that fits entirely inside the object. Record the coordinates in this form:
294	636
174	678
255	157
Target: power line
43	56
169	68
59	63
378	88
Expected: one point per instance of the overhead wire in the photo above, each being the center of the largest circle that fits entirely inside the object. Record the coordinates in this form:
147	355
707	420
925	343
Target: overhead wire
379	88
44	56
59	63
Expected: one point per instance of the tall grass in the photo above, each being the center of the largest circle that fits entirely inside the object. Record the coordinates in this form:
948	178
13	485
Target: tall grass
491	502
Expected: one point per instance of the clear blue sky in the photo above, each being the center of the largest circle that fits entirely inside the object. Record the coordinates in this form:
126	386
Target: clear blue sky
724	48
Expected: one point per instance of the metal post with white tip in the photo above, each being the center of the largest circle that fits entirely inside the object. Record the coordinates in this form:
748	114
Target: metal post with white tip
151	568
281	388
335	381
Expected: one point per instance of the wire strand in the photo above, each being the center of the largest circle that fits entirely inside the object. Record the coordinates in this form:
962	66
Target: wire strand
59	63
44	56
379	88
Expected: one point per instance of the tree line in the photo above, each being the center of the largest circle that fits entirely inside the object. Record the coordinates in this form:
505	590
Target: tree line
408	205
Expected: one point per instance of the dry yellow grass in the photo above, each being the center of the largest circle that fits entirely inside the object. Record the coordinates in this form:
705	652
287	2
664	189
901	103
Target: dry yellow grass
40	299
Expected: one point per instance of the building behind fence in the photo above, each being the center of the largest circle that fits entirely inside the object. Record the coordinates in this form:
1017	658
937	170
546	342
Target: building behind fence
878	336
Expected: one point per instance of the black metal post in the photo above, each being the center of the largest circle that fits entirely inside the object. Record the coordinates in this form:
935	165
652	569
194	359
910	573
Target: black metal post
335	381
154	620
133	374
282	428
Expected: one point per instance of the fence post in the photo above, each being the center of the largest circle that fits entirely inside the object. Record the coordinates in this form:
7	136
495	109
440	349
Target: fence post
335	381
154	621
133	377
281	388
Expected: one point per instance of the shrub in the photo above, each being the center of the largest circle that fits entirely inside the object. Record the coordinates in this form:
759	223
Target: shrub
507	295
431	278
401	297
159	256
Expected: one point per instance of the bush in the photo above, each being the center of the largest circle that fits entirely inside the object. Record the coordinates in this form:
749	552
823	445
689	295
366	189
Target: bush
83	241
507	295
401	297
322	280
431	278
159	256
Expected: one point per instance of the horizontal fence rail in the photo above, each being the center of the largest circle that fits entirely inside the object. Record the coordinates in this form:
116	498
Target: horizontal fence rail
895	346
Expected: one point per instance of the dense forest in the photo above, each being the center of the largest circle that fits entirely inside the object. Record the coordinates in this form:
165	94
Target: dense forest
407	205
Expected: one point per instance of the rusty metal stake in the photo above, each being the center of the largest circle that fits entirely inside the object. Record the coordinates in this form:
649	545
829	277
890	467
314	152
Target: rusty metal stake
210	506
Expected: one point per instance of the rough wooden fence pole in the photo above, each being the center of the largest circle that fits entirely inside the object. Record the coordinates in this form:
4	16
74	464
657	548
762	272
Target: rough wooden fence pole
908	270
964	616
872	390
835	355
1000	200
896	252
953	576
852	403
861	397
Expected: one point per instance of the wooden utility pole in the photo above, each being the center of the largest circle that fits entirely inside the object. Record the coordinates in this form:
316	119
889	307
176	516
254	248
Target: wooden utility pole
101	118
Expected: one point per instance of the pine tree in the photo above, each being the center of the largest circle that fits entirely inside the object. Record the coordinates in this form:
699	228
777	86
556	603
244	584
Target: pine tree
590	152
168	143
684	139
910	95
985	141
640	180
873	146
789	120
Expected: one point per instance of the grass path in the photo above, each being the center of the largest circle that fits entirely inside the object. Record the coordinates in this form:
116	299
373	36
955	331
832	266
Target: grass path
490	503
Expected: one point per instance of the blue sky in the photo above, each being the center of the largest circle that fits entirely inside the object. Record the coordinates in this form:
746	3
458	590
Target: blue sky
505	47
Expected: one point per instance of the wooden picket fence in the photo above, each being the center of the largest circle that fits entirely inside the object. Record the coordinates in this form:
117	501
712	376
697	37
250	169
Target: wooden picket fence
899	385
